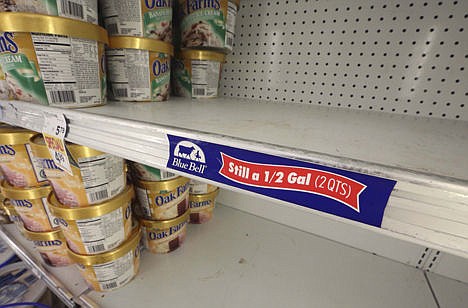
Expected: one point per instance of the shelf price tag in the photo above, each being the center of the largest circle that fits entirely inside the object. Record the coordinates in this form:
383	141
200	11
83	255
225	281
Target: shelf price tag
54	131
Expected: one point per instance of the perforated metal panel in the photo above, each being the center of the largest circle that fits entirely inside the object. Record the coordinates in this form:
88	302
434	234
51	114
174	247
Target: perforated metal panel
407	57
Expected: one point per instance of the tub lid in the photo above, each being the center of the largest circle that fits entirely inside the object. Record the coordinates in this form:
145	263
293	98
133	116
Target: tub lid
92	211
19	284
29	22
165	224
131	243
202	55
17	193
14	135
43	236
140	43
7	255
165	185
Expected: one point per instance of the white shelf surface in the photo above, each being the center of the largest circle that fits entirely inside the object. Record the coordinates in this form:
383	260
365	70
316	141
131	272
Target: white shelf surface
449	293
427	156
242	260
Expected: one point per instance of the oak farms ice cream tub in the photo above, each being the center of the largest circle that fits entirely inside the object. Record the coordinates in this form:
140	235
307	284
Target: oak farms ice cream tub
52	60
96	229
208	23
52	247
4	91
148	173
143	18
166	235
16	162
196	73
113	269
139	68
201	207
164	199
84	10
32	206
199	187
97	176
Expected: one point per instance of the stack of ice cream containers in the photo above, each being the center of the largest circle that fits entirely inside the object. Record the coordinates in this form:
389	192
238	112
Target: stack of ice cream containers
90	217
54	53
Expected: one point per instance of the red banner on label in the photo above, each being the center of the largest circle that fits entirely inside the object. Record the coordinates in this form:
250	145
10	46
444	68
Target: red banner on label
331	185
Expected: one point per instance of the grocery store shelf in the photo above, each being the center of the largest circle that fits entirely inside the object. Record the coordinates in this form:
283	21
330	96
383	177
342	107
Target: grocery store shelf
449	293
63	281
429	205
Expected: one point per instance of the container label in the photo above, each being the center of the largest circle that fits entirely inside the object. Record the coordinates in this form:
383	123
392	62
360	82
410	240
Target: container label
113	274
230	25
347	194
205	78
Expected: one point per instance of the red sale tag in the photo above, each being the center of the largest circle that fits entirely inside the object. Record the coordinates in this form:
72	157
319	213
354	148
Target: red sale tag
331	185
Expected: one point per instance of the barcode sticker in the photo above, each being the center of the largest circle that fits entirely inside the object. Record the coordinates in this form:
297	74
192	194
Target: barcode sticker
98	195
54	131
122	92
205	78
71	8
62	96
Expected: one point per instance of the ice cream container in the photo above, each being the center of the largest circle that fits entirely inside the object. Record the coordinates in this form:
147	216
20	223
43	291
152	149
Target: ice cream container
199	187
96	229
4	91
143	18
20	285
52	60
97	176
52	247
209	24
12	214
84	10
16	162
201	207
148	173
164	199
139	68
196	73
32	206
165	235
111	270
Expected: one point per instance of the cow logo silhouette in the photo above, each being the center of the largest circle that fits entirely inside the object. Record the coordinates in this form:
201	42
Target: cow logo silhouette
190	151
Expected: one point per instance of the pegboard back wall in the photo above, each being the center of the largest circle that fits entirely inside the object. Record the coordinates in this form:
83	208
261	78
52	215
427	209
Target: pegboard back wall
407	56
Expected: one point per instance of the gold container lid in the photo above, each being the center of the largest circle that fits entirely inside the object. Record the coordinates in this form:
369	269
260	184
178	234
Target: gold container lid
142	43
92	211
130	244
17	193
194	54
43	236
164	224
14	135
39	23
166	185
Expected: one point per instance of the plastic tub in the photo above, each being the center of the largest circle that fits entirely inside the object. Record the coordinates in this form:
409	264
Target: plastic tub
208	24
52	247
84	10
139	68
111	270
52	60
16	161
196	73
149	18
164	199
97	176
96	229
166	235
32	206
201	207
148	173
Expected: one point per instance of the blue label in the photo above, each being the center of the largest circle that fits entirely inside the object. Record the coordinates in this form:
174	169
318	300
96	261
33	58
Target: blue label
347	194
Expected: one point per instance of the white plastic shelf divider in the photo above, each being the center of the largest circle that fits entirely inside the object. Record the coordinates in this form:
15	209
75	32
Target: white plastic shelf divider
427	156
65	282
